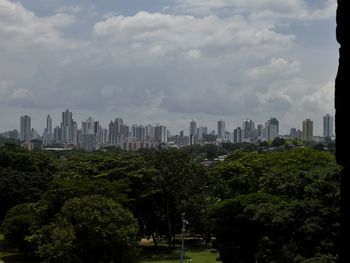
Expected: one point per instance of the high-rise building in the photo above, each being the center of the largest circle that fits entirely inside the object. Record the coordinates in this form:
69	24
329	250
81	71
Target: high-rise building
49	124
260	131
104	136
89	135
237	135
193	128
328	126
150	133
14	134
248	130
67	127
201	131
75	133
138	132
308	130
47	136
57	134
161	134
293	133
118	132
25	128
272	129
34	135
221	129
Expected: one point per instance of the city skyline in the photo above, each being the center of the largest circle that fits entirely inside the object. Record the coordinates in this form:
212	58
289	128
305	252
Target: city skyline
168	61
193	126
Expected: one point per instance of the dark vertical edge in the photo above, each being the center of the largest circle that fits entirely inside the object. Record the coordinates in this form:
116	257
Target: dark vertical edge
342	106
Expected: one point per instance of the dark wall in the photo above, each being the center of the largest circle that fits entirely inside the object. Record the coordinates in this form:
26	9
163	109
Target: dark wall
342	120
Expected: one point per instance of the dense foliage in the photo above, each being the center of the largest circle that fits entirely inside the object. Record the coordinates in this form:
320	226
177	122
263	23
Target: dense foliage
24	176
280	205
287	203
88	229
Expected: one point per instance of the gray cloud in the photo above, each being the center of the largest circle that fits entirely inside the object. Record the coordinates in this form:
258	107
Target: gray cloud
162	65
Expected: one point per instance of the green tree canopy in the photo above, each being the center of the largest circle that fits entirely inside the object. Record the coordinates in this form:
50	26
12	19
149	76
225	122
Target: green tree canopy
88	229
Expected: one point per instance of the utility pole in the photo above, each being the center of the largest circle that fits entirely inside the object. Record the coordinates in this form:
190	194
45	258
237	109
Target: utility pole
184	223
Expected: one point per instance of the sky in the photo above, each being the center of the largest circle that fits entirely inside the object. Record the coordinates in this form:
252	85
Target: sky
168	61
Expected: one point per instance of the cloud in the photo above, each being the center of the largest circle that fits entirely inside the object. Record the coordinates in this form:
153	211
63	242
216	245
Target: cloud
320	100
277	66
14	96
163	35
217	59
21	27
262	9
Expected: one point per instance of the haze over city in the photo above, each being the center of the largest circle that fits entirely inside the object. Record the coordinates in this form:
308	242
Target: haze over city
168	61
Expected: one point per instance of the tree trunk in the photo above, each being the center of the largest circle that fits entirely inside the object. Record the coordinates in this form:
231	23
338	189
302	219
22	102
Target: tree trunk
154	240
169	236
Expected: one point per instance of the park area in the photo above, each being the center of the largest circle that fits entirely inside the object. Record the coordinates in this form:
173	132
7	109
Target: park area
194	252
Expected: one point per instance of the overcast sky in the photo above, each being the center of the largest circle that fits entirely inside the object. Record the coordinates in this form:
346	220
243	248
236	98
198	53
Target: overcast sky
168	61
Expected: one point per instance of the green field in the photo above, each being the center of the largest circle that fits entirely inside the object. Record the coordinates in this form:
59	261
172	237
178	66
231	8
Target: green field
194	254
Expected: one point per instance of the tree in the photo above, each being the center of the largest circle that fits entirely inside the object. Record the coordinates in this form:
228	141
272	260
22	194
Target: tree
294	202
24	176
176	184
278	142
88	229
16	225
236	233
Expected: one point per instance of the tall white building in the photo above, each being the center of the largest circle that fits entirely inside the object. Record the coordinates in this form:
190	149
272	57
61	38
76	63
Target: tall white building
328	126
221	129
104	136
47	136
308	127
248	130
89	135
67	127
161	134
49	124
150	133
75	133
25	128
272	129
138	132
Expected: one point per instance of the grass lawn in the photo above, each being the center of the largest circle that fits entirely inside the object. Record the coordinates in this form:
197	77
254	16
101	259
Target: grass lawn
193	250
196	256
11	256
148	254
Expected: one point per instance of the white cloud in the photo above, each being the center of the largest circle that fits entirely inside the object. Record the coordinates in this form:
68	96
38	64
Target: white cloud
267	9
11	95
160	35
320	100
19	95
22	28
277	67
217	59
4	89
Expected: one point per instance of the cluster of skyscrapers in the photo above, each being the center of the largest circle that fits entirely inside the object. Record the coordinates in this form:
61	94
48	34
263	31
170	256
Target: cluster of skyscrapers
248	132
92	136
251	132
